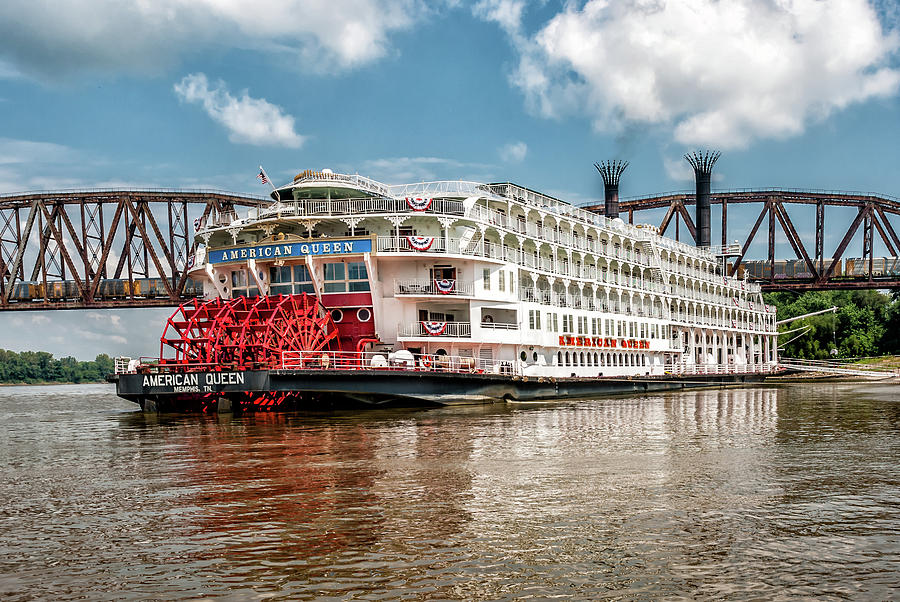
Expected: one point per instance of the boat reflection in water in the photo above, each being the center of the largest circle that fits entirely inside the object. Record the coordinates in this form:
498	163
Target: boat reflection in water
703	493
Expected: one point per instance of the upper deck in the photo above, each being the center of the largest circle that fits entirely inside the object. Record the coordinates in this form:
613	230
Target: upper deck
324	194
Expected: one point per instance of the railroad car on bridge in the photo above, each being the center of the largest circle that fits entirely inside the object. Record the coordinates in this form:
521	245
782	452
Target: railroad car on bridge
115	288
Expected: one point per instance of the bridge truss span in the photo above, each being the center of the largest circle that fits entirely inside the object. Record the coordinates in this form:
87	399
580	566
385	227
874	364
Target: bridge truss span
869	218
104	248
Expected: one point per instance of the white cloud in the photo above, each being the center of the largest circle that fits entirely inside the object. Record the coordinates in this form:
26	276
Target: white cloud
15	151
506	13
61	38
514	152
248	120
716	72
678	169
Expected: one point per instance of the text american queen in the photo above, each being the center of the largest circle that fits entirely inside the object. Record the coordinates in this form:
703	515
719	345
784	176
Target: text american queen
277	251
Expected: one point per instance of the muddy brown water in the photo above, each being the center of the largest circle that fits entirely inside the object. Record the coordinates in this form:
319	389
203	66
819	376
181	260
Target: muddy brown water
788	491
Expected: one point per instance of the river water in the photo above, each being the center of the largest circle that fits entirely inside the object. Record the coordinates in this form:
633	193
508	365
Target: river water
757	493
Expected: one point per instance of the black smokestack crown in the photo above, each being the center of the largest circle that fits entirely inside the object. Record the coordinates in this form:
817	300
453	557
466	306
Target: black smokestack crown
702	162
611	171
703	166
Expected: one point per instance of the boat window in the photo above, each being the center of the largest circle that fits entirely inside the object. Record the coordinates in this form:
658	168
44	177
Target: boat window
286	280
341	277
358	276
280	274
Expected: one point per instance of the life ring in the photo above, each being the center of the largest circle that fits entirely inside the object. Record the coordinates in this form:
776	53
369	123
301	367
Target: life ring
425	361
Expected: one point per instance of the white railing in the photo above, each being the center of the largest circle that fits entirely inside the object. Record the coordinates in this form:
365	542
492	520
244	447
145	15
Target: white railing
121	365
535	296
500	325
435	329
375	360
357	181
459	187
432	287
720	368
360	206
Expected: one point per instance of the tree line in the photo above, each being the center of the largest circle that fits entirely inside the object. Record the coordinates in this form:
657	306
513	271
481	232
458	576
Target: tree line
41	367
867	323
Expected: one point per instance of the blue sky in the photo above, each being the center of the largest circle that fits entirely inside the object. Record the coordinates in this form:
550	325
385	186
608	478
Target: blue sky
177	94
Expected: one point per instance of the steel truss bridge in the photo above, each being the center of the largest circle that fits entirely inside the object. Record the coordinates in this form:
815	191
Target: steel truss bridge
85	240
63	250
873	214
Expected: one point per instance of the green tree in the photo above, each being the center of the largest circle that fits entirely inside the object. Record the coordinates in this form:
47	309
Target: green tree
40	366
866	323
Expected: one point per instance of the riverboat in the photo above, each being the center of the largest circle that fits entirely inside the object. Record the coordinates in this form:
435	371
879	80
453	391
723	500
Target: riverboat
346	289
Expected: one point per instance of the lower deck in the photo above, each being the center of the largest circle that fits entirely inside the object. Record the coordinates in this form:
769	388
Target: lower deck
322	389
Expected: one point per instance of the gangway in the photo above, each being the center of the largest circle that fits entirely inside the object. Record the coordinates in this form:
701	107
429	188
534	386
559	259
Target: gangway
837	368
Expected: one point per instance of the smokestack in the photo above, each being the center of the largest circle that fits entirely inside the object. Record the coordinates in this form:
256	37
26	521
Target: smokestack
703	165
611	172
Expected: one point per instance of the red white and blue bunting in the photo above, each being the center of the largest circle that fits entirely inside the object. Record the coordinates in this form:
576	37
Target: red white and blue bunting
434	328
444	286
417	204
420	243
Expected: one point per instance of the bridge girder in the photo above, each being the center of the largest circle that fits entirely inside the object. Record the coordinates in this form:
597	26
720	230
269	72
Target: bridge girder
77	236
873	212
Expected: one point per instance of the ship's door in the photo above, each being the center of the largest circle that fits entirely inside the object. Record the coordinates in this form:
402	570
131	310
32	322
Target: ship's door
443	272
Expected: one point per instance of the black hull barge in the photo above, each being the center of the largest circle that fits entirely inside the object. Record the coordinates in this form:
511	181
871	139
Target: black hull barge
311	390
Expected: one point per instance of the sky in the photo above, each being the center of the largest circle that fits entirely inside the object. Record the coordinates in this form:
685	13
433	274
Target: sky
197	94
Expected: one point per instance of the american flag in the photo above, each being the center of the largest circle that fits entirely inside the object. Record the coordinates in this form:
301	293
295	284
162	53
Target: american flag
262	176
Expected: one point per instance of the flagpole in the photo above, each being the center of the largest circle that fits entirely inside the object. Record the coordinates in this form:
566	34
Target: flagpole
269	180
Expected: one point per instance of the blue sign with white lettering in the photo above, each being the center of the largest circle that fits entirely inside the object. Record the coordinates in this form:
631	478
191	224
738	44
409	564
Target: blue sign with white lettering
292	249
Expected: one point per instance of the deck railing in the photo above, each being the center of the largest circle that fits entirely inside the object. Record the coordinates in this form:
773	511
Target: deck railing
402	360
378	360
433	287
435	329
688	369
500	325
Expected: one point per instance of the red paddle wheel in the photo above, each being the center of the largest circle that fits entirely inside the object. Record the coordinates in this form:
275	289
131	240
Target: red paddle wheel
189	331
247	333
